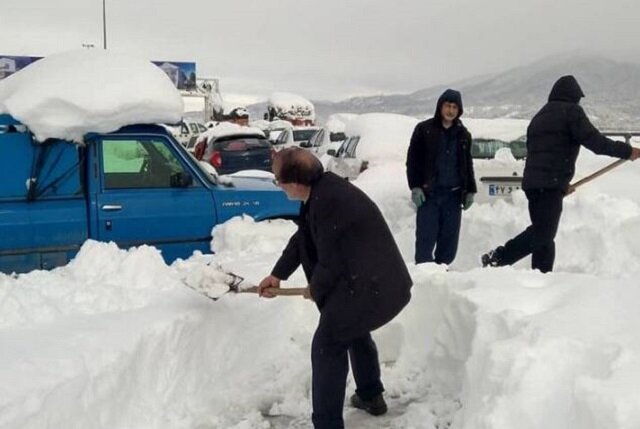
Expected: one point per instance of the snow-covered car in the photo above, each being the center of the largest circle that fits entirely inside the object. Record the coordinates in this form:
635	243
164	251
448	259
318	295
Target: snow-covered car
498	166
296	136
377	138
290	107
187	131
324	140
373	138
274	128
230	148
344	162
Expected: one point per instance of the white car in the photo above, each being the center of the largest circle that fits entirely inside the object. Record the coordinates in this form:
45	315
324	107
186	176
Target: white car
296	136
344	161
498	165
324	140
187	131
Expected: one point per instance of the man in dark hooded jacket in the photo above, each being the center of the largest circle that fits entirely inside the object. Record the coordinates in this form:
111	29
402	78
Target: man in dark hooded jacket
441	179
554	137
357	278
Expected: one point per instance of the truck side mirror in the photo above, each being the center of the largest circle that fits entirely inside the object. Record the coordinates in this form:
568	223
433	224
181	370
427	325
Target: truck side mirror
331	152
181	180
305	144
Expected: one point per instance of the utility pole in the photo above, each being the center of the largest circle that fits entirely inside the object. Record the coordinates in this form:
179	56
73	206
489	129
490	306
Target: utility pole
104	24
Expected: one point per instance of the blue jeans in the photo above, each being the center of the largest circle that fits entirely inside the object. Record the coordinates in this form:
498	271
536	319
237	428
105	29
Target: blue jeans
438	227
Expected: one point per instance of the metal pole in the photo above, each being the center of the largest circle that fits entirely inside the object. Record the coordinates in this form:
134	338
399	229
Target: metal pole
104	24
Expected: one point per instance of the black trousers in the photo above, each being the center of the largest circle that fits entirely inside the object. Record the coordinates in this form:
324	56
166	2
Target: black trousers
330	367
545	208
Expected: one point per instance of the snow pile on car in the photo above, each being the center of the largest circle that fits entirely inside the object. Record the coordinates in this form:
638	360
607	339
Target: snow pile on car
70	94
227	129
383	136
291	106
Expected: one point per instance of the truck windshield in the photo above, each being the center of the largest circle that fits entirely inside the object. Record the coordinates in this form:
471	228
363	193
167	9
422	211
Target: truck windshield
144	163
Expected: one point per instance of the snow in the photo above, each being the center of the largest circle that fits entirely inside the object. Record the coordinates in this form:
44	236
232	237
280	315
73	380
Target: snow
286	100
291	106
116	339
506	129
279	124
337	122
226	129
384	137
70	94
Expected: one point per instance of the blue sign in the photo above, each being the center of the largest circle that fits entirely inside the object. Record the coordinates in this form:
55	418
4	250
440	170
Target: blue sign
183	75
9	65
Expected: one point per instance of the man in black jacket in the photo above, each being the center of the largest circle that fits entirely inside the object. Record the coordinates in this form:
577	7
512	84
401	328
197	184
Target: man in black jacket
441	179
554	137
356	276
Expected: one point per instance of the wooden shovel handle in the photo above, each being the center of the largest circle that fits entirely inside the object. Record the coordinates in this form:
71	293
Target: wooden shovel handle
595	175
291	291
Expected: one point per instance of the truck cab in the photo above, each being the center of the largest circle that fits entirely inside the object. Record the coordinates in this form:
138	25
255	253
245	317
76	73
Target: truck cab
135	186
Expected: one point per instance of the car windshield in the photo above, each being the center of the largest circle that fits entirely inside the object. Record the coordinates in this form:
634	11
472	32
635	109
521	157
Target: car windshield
242	144
336	137
487	148
301	135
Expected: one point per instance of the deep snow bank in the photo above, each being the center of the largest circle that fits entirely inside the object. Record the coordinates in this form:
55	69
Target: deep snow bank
116	340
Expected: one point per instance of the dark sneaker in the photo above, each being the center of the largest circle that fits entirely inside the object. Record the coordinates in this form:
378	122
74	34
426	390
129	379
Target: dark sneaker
486	259
492	258
376	406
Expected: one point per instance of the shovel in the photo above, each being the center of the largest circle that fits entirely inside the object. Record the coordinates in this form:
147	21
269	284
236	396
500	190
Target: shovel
234	284
572	187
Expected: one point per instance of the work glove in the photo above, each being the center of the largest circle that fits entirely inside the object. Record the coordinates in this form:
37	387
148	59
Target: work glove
468	201
417	196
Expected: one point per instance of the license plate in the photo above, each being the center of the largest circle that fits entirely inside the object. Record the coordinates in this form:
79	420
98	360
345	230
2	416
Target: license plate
496	190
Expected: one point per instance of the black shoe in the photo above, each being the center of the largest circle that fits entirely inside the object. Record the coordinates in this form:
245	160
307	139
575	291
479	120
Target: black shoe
492	258
376	406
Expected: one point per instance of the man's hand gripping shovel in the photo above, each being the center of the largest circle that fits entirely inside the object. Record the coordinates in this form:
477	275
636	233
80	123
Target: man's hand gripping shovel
219	283
635	154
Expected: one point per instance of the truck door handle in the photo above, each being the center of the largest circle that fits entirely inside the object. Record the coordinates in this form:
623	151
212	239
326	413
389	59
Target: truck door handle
111	207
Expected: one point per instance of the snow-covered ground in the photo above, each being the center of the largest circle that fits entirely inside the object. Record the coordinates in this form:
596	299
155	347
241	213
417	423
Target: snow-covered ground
115	339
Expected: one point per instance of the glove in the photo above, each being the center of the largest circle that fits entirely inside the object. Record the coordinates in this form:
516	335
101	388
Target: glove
468	201
417	196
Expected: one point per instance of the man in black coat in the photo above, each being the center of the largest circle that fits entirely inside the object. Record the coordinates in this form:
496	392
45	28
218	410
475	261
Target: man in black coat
356	276
441	179
554	137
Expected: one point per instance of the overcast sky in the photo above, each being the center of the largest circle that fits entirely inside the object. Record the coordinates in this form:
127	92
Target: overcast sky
329	49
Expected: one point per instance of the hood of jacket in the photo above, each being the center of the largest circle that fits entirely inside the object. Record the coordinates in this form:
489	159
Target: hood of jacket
451	96
566	89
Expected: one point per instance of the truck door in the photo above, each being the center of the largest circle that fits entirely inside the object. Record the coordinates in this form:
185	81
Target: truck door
143	197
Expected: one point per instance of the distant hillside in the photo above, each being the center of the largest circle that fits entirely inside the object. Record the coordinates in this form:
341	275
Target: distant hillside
612	93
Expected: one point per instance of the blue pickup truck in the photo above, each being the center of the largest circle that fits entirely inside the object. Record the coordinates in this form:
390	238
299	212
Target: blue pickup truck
134	186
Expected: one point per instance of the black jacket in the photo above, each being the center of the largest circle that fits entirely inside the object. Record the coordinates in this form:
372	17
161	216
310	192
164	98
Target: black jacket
422	156
357	276
554	137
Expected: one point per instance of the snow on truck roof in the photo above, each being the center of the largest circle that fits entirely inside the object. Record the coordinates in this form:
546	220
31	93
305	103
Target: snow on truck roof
70	94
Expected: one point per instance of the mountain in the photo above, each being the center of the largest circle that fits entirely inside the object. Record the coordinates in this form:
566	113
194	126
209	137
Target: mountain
612	91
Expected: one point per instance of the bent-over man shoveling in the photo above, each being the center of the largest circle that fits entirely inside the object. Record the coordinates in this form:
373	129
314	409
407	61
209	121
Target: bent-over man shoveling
356	276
